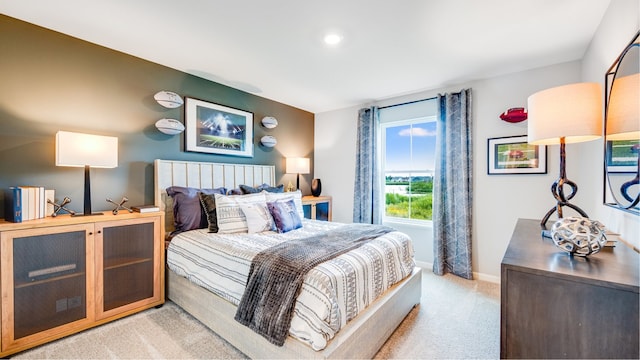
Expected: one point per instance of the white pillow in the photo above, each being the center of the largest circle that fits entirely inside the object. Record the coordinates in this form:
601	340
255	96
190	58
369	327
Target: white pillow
230	217
295	195
258	217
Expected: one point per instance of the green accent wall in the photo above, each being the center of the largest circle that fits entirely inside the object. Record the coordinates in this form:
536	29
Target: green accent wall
50	82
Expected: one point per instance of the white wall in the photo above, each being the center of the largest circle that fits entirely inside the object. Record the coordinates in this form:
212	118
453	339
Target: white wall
335	158
499	200
620	23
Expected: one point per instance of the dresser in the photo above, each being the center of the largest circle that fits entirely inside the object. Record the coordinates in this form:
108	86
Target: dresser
554	305
61	275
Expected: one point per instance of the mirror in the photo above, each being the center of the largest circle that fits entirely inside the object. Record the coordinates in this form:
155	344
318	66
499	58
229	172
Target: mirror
622	130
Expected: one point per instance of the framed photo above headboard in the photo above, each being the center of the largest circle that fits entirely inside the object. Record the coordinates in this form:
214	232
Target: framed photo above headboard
217	129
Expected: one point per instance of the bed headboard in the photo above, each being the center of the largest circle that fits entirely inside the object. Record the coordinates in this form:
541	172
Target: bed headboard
203	175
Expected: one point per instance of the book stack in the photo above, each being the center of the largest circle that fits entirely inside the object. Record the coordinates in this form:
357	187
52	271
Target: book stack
145	208
24	203
612	238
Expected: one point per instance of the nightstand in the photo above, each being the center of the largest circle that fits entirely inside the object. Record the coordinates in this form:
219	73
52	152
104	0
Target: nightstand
317	207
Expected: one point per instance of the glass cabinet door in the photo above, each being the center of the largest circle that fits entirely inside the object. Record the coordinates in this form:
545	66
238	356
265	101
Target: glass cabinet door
45	281
322	211
127	266
306	208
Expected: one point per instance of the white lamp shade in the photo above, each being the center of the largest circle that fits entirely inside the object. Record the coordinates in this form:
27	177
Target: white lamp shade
79	150
623	110
571	111
297	165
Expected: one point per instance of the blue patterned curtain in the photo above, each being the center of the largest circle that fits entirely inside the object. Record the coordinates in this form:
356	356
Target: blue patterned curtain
367	204
452	186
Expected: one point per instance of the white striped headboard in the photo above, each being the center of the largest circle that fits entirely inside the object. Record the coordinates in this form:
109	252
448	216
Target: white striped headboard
203	175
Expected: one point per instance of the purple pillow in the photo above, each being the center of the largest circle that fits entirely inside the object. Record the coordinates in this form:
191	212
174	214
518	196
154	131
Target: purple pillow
188	213
285	215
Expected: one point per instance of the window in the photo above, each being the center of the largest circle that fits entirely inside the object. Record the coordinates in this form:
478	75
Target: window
408	150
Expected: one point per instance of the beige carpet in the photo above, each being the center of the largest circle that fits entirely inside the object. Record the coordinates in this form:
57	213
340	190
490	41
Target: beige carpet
457	319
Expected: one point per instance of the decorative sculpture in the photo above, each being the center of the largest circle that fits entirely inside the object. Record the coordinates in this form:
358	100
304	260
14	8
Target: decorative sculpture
119	205
57	208
578	235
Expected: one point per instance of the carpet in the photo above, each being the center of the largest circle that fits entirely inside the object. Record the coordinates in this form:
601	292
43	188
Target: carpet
456	319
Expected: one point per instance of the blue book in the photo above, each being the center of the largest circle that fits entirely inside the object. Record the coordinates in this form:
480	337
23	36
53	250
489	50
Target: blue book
13	204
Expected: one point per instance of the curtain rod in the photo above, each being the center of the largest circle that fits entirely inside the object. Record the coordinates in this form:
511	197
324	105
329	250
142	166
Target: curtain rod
408	102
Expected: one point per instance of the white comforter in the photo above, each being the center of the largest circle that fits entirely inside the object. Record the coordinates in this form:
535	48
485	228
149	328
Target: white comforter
333	293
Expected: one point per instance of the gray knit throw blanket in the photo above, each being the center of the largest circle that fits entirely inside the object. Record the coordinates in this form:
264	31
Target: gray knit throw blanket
277	273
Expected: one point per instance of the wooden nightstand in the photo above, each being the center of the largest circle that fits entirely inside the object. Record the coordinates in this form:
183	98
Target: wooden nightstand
317	207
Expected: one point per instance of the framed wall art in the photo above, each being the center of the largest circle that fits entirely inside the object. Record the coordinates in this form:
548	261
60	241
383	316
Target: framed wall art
622	156
217	129
513	155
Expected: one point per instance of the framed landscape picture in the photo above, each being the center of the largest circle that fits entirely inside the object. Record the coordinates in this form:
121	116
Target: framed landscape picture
622	156
513	155
217	129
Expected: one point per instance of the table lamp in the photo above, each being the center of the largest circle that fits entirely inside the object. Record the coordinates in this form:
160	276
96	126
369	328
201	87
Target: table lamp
562	115
84	150
623	122
297	165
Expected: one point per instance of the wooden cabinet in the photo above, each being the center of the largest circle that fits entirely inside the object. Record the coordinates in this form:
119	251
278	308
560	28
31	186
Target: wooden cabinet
65	274
554	305
317	207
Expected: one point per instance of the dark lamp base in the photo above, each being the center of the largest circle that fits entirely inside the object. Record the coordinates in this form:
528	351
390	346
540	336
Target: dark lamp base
89	214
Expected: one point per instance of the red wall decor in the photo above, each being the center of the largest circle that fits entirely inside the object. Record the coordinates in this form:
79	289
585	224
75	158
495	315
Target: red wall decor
514	115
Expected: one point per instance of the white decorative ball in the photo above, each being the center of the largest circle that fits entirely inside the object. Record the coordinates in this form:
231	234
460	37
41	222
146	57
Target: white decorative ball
169	126
269	122
268	141
578	235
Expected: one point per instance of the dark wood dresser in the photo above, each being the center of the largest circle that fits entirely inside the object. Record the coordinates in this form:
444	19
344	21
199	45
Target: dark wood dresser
554	305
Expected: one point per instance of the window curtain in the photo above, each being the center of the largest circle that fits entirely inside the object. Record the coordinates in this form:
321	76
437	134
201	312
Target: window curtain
452	186
367	204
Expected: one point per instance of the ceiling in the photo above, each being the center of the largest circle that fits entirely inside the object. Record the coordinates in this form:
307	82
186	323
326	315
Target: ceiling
274	48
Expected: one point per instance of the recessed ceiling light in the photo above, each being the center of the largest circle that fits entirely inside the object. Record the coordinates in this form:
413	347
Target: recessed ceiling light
332	39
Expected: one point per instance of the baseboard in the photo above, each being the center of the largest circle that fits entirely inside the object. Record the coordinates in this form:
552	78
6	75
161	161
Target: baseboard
424	265
476	275
486	277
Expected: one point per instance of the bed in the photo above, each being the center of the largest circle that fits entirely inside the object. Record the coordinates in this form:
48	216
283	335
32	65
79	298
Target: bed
361	337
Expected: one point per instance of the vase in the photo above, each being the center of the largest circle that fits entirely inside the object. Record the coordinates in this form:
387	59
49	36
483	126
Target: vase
316	187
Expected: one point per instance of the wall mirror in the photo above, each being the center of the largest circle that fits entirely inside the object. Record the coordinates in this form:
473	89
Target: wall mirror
622	130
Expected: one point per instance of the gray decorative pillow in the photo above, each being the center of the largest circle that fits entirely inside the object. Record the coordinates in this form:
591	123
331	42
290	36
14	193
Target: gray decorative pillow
285	215
246	189
188	214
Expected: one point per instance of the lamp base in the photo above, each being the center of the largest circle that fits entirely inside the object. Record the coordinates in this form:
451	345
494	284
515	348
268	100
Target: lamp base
88	214
558	208
557	189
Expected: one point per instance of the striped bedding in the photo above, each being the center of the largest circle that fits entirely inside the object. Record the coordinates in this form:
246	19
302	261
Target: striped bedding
333	293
